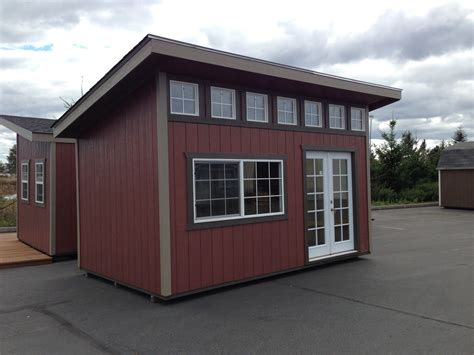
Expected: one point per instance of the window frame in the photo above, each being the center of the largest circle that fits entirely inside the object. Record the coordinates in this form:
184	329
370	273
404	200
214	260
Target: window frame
196	100
362	117
242	217
295	111
265	107
42	183
321	116
343	119
233	107
27	181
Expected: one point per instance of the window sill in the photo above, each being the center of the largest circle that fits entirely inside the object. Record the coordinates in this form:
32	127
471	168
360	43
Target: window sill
236	222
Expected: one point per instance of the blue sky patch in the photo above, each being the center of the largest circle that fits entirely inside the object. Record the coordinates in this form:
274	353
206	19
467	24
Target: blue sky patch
31	47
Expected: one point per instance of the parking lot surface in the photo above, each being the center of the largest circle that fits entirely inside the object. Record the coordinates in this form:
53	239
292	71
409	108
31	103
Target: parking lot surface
414	294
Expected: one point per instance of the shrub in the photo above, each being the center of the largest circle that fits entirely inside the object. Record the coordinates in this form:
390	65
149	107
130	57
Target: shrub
385	194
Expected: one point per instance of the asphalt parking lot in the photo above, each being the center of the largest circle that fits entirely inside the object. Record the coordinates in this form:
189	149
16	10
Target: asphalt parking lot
414	294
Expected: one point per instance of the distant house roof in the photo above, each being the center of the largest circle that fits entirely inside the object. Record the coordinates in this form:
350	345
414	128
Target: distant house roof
31	128
458	156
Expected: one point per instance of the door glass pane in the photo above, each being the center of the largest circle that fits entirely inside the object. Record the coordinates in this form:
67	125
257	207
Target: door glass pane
335	166
310	184
311	202
309	166
337	234
319	184
311	238
345	199
310	220
320	220
345	215
343	166
321	237
335	183
343	183
319	167
345	233
320	202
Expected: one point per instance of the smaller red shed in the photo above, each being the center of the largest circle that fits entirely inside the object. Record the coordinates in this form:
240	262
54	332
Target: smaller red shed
456	176
46	186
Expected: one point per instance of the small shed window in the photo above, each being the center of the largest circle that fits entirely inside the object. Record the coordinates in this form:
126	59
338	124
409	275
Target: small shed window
357	119
337	117
223	103
286	110
39	182
227	189
257	107
312	114
24	180
184	98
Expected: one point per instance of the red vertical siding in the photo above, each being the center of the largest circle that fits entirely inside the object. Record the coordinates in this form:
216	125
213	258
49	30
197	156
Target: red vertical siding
207	257
119	193
66	221
33	219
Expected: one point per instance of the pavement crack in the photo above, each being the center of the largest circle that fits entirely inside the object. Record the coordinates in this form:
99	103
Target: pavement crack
32	306
411	314
76	331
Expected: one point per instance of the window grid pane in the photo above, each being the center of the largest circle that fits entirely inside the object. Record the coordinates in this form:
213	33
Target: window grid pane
184	98
336	116
222	102
216	188
357	119
286	110
256	107
312	114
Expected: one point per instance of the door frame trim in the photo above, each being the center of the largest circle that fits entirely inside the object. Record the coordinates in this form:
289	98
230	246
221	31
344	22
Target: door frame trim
355	196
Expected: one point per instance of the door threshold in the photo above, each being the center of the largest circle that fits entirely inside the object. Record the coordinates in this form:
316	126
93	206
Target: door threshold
333	255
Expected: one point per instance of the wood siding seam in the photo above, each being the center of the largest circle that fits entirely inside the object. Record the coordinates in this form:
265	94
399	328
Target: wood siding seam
163	183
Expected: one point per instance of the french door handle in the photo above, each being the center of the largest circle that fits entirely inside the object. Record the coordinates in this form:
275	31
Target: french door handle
332	209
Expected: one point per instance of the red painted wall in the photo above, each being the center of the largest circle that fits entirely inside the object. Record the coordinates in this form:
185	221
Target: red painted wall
118	201
208	257
66	219
33	220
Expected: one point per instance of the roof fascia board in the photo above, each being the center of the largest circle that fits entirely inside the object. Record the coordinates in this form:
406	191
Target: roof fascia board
228	60
47	137
457	168
17	129
101	90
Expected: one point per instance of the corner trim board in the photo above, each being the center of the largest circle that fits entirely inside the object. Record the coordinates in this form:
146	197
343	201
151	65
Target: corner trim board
163	183
52	198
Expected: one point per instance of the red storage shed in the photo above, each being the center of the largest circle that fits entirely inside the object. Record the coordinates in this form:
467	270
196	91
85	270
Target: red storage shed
46	186
199	168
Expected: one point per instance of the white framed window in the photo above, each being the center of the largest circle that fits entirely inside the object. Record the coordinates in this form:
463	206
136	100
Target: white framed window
257	107
313	116
25	188
337	116
227	189
184	98
286	110
39	182
357	119
222	103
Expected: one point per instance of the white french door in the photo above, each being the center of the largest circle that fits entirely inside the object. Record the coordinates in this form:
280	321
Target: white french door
329	222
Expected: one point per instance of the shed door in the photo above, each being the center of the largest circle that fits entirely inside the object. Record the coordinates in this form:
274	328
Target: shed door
329	216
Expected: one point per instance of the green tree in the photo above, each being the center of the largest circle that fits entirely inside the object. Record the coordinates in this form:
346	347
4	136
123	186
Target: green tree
459	135
3	168
11	160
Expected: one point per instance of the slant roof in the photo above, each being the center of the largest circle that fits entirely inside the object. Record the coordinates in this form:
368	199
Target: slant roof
153	45
458	156
32	124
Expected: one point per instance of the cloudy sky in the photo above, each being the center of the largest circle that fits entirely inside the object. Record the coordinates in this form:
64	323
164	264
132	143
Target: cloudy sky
49	49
